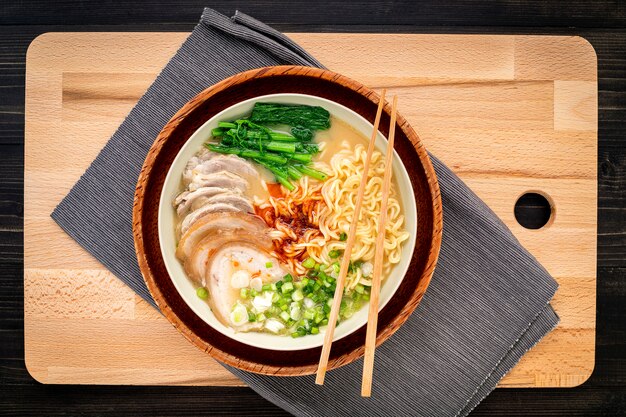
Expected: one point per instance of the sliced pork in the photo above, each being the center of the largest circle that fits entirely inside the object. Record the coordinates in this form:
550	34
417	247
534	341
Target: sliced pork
237	265
230	163
220	223
214	183
221	179
192	200
218	203
226	252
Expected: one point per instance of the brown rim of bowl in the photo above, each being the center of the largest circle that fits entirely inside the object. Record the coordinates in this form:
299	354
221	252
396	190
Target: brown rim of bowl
254	83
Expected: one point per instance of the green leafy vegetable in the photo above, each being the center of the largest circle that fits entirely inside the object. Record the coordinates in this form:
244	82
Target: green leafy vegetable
302	133
297	116
318	175
287	156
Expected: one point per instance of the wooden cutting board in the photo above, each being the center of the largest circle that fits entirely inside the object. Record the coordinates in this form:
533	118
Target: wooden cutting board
509	114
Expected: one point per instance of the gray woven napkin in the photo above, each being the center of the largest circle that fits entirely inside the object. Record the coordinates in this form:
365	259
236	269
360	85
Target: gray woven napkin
487	303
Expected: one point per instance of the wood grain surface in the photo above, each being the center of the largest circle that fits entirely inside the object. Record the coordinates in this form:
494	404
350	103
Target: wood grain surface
509	114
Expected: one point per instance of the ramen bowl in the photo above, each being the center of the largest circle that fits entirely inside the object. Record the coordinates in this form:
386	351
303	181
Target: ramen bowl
154	218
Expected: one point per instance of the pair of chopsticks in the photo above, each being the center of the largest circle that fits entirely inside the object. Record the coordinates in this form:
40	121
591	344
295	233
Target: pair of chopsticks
372	322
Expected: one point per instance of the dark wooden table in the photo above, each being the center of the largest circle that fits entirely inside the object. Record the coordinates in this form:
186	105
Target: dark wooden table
603	23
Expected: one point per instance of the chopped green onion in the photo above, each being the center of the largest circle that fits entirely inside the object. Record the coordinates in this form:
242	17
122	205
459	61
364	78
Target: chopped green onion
287	286
288	278
244	293
295	312
268	264
297	295
251	316
343	236
319	316
273	310
334	253
308	263
202	293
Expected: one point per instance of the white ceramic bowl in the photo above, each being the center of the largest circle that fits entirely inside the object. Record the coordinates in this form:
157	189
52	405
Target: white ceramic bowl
167	222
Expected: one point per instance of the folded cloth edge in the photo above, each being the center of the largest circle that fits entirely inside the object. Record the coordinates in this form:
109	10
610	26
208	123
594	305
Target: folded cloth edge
545	321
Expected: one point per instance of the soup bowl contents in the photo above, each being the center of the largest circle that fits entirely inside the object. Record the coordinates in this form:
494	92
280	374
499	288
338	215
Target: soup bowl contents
260	209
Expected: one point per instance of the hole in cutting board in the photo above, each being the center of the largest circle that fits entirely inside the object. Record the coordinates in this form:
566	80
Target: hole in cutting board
534	210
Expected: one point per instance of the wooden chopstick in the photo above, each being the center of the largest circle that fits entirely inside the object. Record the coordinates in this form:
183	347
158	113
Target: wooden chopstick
345	262
372	319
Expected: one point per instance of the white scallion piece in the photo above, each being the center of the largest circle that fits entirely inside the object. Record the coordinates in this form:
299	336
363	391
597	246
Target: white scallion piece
256	284
274	325
262	302
239	315
367	268
240	279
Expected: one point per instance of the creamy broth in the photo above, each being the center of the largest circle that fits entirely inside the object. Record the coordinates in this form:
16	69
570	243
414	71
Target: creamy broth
257	188
334	138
